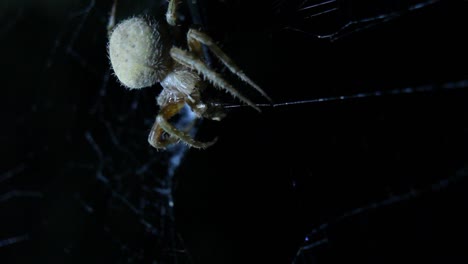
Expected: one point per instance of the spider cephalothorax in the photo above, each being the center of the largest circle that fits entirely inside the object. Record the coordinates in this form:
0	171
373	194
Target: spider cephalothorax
141	56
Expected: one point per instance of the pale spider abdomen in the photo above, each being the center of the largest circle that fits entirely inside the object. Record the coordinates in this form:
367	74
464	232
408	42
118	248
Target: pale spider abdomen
137	53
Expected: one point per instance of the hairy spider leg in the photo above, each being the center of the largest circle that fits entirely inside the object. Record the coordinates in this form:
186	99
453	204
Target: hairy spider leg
155	135
191	61
111	22
162	125
171	17
171	13
194	37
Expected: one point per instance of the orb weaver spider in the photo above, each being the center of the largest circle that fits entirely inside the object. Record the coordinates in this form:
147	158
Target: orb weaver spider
141	55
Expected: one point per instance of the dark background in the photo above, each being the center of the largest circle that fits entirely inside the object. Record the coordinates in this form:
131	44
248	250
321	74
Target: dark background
375	179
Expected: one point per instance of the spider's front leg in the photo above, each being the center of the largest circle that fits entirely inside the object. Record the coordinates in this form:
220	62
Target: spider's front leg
194	40
161	125
193	62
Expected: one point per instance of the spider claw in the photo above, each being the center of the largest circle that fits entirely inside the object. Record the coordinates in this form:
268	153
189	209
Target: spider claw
201	145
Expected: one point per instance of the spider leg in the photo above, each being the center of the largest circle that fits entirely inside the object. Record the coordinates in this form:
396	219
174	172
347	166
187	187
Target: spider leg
162	125
184	137
111	22
188	59
171	12
194	37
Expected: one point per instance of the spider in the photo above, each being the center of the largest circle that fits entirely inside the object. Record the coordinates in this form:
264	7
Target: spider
141	55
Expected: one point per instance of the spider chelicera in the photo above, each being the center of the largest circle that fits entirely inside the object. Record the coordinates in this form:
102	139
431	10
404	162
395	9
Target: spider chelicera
141	55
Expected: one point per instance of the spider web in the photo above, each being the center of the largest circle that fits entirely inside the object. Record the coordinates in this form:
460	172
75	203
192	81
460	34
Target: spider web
111	196
393	225
356	160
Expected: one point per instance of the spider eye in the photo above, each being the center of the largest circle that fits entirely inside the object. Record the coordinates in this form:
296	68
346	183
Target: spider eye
136	53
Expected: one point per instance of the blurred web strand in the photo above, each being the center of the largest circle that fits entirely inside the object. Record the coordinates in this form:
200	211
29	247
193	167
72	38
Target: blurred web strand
102	92
20	194
69	49
319	8
460	175
463	84
122	246
115	194
315	5
383	18
101	177
277	4
116	142
13	240
354	25
13	172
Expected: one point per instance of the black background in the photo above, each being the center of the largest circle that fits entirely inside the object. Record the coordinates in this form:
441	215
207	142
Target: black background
273	177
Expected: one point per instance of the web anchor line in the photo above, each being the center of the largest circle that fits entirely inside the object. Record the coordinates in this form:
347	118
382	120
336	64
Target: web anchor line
408	90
